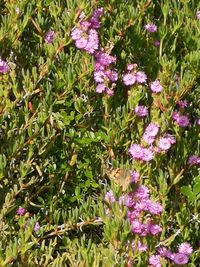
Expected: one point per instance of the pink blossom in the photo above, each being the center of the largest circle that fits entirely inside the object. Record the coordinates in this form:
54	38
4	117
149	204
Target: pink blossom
3	66
154	260
157	43
155	207
130	67
194	160
99	76
141	77
129	79
135	176
109	197
148	154
21	211
109	92
185	248
141	111
129	201
49	37
180	258
142	192
182	103
151	27
111	75
138	246
198	14
136	227
150	133
183	121
81	43
104	59
170	138
164	143
155	229
36	226
175	115
100	88
156	87
165	253
136	151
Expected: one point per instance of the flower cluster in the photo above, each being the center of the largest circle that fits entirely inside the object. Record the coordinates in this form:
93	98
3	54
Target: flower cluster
139	204
104	76
178	117
21	212
86	35
179	258
139	152
86	38
132	76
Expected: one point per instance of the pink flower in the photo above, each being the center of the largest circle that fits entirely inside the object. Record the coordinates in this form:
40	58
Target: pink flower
129	201
138	246
152	129
109	92
81	43
135	176
109	197
36	226
136	227
150	133
165	253
104	59
155	229
175	115
49	37
170	138
198	14
92	41
155	207
151	27
3	66
129	79
136	151
142	192
130	67
99	76
154	260
141	77
100	88
111	75
141	111
182	103
76	34
164	143
180	258
21	211
183	121
157	43
194	160
156	87
185	248
148	155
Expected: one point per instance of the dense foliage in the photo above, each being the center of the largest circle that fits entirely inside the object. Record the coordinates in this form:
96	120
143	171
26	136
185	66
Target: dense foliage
99	133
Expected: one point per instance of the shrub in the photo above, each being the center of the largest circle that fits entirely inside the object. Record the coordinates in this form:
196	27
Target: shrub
99	149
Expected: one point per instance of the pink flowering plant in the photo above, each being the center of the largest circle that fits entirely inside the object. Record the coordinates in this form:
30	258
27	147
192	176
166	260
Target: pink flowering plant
99	133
